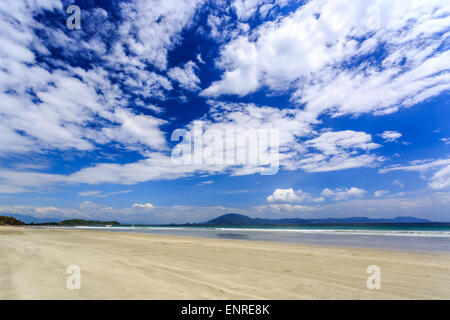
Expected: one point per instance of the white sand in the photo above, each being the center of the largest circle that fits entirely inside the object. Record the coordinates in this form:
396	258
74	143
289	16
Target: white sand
113	265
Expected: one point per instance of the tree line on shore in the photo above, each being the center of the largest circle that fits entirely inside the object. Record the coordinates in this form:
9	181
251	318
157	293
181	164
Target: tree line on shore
11	221
5	221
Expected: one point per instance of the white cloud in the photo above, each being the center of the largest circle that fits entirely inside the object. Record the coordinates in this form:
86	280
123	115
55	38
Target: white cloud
186	76
433	206
283	55
380	193
343	193
200	59
65	107
328	151
247	9
291	196
441	179
390	136
152	28
283	208
288	195
205	182
99	194
55	108
144	213
321	163
155	167
380	92
421	165
332	143
145	205
135	130
89	193
151	107
339	150
398	183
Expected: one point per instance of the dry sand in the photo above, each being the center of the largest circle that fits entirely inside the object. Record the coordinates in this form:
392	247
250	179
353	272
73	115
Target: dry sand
33	265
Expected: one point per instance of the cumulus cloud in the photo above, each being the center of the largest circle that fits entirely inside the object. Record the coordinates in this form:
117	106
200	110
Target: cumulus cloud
380	193
186	76
332	143
432	206
390	136
282	55
291	196
138	213
288	195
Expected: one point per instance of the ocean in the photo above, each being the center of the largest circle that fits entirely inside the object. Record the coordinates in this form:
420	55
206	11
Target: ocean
420	237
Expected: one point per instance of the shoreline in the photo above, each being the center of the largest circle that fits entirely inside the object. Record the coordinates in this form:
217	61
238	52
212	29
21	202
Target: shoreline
418	241
268	242
124	265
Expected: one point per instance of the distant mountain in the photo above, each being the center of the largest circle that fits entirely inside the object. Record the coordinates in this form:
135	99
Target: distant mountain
239	219
30	219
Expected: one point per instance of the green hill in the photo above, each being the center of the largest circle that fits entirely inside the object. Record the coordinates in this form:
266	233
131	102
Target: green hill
81	222
4	220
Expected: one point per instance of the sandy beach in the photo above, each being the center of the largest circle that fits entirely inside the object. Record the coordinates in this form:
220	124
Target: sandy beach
34	263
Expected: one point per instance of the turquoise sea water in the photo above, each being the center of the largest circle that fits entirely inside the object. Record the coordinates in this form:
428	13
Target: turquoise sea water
410	237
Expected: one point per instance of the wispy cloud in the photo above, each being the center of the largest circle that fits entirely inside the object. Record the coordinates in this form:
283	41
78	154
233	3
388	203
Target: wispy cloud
343	193
99	194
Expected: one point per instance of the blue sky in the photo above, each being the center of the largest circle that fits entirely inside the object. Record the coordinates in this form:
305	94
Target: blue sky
358	93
